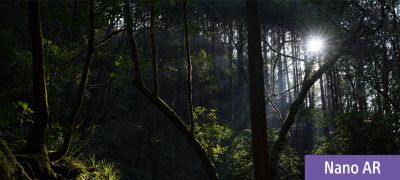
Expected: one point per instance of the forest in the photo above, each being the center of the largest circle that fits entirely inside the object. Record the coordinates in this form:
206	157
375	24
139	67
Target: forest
194	89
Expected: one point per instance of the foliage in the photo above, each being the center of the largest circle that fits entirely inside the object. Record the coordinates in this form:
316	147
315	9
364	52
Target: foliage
91	168
17	113
239	161
320	118
120	68
289	163
15	119
212	134
368	71
24	113
203	70
231	151
322	146
360	133
9	168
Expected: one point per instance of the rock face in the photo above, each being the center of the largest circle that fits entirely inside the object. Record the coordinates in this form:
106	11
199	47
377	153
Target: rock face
143	143
10	169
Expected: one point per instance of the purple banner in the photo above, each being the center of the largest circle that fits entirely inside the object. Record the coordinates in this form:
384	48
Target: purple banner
352	167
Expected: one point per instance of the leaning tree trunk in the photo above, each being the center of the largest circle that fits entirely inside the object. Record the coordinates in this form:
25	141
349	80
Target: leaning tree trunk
259	138
56	155
308	82
160	104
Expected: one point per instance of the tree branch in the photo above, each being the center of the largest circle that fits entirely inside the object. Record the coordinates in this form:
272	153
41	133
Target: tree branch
175	119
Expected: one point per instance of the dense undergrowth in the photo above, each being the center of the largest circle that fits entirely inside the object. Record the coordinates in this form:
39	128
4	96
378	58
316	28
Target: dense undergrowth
73	166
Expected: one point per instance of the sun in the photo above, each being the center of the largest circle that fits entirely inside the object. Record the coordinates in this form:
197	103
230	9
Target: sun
315	45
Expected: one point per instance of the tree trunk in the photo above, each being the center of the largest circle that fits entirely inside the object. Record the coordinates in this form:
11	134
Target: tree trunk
56	155
323	103
35	141
189	68
230	56
153	48
287	80
360	86
262	168
240	120
385	76
281	77
37	158
294	49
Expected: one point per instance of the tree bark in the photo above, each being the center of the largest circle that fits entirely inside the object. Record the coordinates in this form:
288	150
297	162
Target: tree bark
262	168
230	56
189	68
287	80
153	48
323	103
281	78
35	141
36	153
385	76
240	100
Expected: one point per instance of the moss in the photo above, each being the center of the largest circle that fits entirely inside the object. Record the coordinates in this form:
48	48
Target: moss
36	163
9	167
69	168
43	165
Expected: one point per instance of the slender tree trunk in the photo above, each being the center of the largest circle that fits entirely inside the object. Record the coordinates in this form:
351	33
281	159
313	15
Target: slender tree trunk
153	48
56	155
333	91
189	68
240	120
385	76
360	86
266	70
281	77
230	55
323	102
262	168
338	90
274	43
294	61
287	80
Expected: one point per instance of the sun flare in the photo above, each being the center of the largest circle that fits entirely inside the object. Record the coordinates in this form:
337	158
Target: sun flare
315	45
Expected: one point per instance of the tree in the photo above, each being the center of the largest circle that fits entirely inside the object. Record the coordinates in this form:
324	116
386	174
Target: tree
56	155
259	138
156	88
189	67
165	109
35	141
35	146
